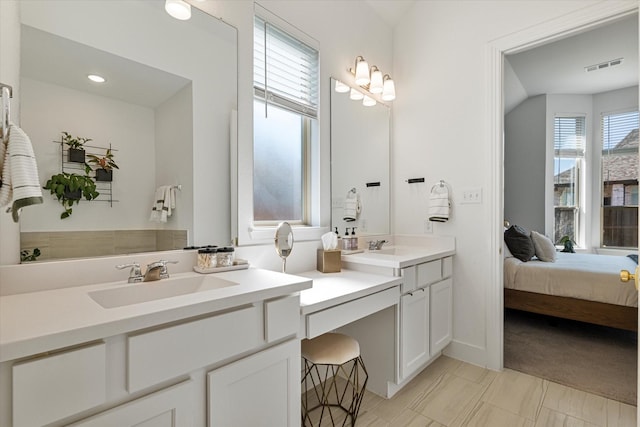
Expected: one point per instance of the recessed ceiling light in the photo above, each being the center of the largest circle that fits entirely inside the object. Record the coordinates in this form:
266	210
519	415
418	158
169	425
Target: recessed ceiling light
96	78
179	9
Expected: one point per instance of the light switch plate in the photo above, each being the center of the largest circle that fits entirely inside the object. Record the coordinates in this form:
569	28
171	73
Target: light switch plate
472	195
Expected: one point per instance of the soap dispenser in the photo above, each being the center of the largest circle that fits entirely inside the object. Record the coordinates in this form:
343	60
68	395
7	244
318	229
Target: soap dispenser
346	240
339	239
354	239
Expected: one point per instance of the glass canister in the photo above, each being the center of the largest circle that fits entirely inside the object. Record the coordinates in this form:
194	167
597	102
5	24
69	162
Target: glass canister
207	258
225	256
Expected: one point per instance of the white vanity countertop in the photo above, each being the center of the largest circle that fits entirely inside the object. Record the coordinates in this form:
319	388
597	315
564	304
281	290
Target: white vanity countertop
402	256
330	289
36	322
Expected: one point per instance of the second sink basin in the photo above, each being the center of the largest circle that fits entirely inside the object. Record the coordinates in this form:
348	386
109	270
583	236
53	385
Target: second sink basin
160	289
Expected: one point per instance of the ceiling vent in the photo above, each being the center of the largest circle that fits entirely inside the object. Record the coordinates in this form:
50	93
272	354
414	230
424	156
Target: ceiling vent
602	65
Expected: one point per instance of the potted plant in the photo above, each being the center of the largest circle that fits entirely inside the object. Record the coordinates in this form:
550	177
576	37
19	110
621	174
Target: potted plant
568	244
69	188
75	144
27	256
105	165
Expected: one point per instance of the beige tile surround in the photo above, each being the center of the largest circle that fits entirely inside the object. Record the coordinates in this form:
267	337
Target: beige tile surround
80	244
451	393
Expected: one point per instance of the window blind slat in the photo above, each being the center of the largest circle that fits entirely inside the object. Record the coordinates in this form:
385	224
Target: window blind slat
291	69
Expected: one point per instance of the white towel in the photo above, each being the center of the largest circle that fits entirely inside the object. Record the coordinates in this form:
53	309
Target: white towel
164	203
439	203
352	206
20	185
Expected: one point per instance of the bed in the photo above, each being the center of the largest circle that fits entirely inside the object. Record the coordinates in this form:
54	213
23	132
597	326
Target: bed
584	287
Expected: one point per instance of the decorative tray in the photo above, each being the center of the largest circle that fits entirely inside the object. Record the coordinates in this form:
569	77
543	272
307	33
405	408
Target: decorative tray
243	266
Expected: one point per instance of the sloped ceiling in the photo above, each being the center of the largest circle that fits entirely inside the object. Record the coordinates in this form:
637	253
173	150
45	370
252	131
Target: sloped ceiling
391	11
559	67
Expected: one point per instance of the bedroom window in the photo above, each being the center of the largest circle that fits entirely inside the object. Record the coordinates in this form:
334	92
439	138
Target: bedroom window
619	179
285	110
569	147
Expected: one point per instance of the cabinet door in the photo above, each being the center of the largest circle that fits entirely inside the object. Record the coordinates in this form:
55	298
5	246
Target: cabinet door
441	315
171	407
262	390
414	327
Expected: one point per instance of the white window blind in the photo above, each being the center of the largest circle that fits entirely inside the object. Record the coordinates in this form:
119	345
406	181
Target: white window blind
285	70
569	136
617	127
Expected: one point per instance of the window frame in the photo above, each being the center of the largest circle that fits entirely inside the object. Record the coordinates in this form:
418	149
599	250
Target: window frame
244	231
601	182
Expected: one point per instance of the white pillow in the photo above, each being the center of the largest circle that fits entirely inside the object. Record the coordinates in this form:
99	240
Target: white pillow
545	249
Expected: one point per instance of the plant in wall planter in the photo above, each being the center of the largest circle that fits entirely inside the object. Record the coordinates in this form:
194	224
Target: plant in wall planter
76	147
69	188
27	256
104	165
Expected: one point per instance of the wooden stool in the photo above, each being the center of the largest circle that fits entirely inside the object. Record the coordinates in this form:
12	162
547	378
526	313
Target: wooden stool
325	359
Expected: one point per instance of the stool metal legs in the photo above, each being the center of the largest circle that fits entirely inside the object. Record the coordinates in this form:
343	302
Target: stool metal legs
325	388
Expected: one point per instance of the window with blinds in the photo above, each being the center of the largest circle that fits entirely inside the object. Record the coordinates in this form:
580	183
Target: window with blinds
619	180
569	144
285	70
285	105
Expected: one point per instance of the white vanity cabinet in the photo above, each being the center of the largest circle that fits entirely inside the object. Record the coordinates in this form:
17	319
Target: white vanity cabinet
238	366
425	313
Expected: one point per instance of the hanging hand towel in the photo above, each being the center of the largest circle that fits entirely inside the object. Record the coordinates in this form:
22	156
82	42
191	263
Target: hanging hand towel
164	203
352	206
439	203
20	184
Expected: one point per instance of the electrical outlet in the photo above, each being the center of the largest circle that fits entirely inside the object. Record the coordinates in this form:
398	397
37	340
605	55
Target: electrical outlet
428	226
337	202
472	195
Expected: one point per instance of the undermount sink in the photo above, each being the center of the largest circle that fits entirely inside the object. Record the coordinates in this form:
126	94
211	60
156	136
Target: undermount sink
156	290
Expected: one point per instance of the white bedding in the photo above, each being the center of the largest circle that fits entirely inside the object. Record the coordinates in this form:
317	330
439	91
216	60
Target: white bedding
585	276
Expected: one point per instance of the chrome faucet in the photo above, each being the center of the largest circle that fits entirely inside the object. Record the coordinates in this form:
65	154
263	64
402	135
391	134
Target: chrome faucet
135	274
155	271
376	245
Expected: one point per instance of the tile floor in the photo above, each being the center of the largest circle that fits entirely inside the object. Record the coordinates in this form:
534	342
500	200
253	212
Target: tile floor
453	393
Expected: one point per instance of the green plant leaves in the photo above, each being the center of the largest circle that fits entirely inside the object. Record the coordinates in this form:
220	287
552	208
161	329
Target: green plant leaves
62	184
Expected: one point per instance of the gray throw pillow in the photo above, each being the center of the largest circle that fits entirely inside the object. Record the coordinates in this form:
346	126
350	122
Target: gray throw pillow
519	243
545	249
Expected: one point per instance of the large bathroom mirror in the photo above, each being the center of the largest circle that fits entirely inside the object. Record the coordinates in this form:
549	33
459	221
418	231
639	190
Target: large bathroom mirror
360	149
165	111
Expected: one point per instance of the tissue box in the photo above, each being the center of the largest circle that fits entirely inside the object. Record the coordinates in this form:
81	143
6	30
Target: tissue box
329	261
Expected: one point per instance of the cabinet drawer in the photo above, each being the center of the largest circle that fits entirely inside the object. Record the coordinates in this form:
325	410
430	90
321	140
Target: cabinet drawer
334	317
167	353
447	267
429	272
171	407
57	386
408	279
281	317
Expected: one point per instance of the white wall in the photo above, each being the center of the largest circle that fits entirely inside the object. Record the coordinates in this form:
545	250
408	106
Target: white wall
10	75
174	155
441	53
524	164
47	111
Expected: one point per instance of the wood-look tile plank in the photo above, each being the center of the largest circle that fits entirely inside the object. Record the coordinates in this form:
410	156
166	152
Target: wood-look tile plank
551	418
409	418
518	393
620	414
578	404
485	415
451	399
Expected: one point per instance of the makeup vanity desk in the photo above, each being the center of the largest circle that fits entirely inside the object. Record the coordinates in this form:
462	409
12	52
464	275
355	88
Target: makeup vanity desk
398	308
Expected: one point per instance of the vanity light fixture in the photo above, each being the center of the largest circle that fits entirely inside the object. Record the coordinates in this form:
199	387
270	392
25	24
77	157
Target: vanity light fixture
376	80
362	72
372	80
96	78
388	89
178	9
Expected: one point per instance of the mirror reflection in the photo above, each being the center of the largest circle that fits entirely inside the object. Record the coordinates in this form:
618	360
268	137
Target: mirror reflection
360	182
164	110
